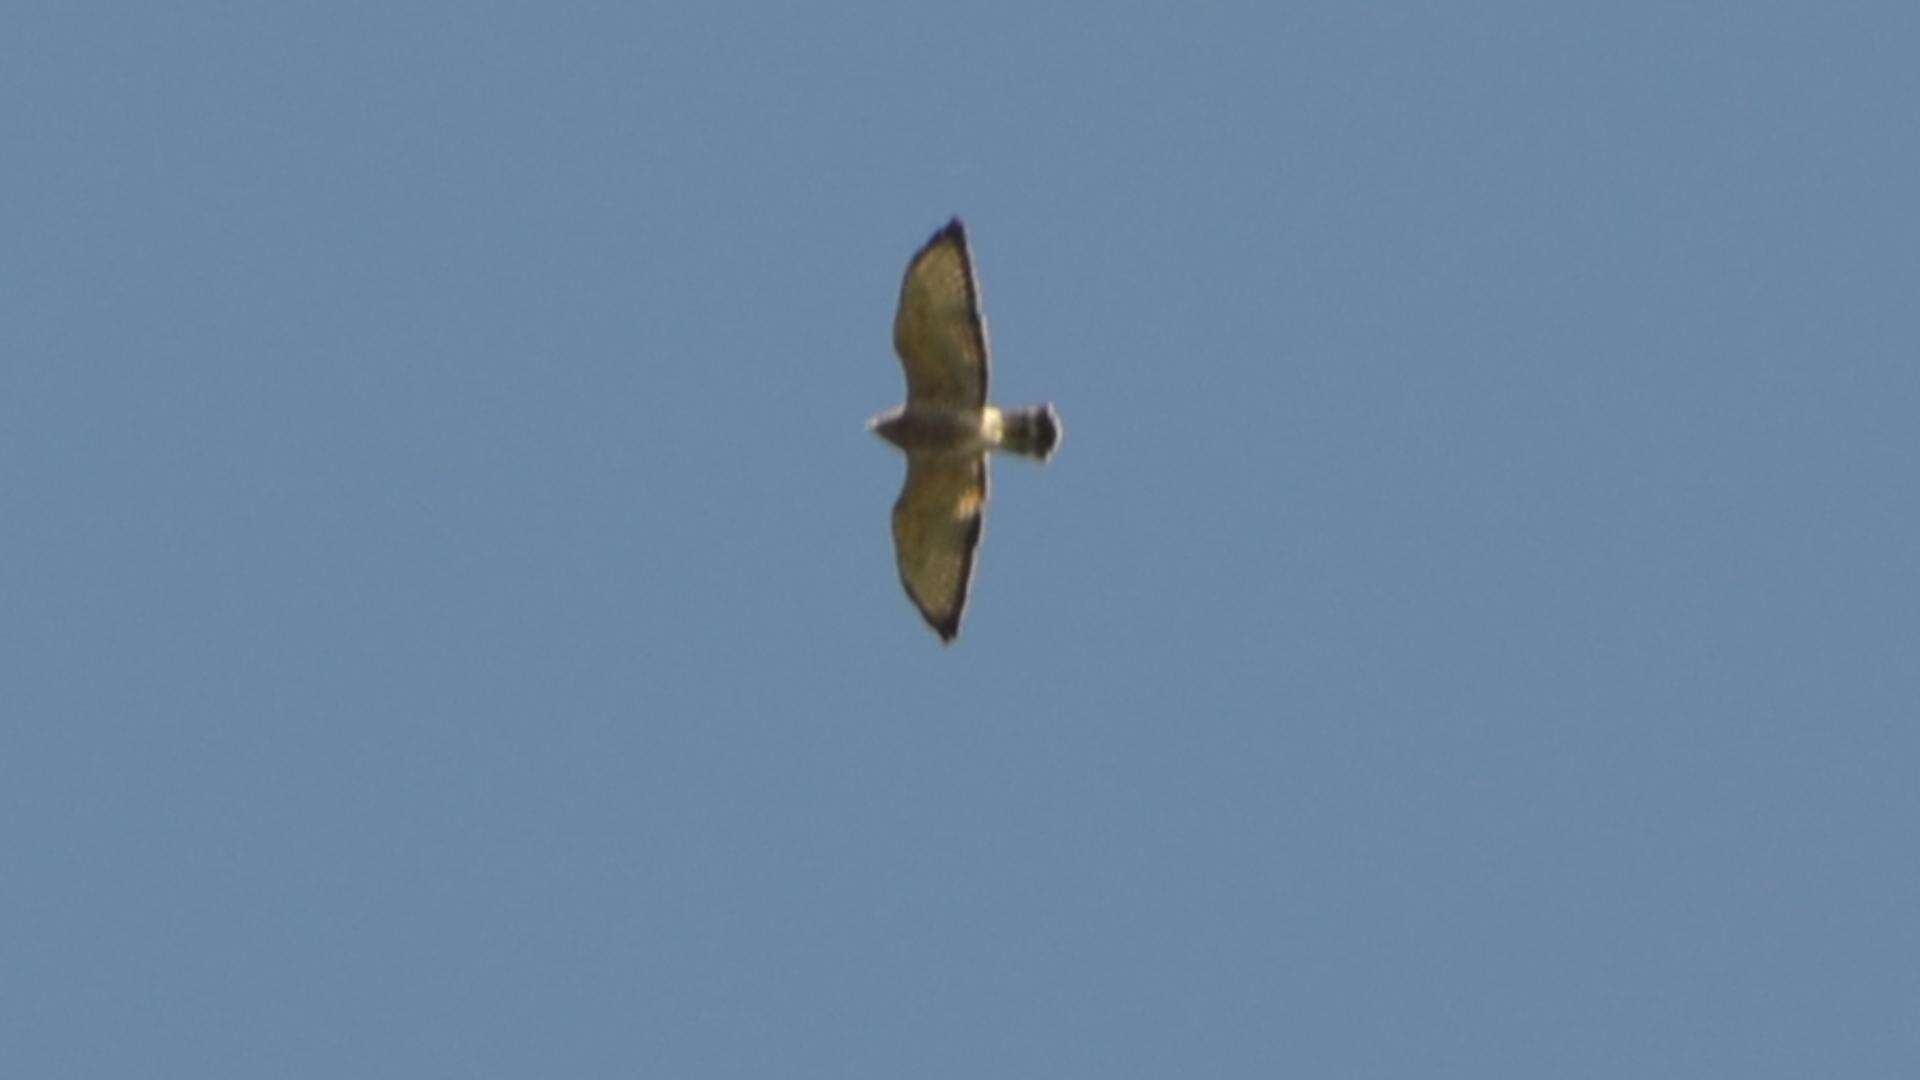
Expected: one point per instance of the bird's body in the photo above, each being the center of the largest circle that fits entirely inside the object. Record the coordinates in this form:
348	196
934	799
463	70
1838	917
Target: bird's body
947	428
939	431
1032	431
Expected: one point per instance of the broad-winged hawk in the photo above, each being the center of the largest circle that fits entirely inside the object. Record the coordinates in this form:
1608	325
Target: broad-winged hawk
947	428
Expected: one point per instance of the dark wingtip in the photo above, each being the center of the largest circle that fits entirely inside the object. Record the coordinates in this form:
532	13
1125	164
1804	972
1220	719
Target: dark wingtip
952	232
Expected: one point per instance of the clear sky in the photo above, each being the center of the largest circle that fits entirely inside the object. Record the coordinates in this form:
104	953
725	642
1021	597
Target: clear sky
1471	629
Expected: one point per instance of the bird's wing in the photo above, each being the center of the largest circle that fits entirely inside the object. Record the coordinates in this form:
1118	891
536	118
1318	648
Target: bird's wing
936	529
939	332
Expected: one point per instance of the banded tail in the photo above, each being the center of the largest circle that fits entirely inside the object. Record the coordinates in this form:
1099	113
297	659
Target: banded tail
1033	431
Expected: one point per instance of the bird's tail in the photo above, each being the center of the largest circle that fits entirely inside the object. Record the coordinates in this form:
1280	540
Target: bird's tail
1033	431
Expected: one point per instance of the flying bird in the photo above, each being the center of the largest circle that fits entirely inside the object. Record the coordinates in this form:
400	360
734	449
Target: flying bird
947	428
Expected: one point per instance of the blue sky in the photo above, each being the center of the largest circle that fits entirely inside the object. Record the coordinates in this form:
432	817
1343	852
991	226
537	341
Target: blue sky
450	623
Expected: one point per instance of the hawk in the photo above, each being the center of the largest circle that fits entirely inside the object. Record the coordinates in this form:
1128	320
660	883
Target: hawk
947	428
